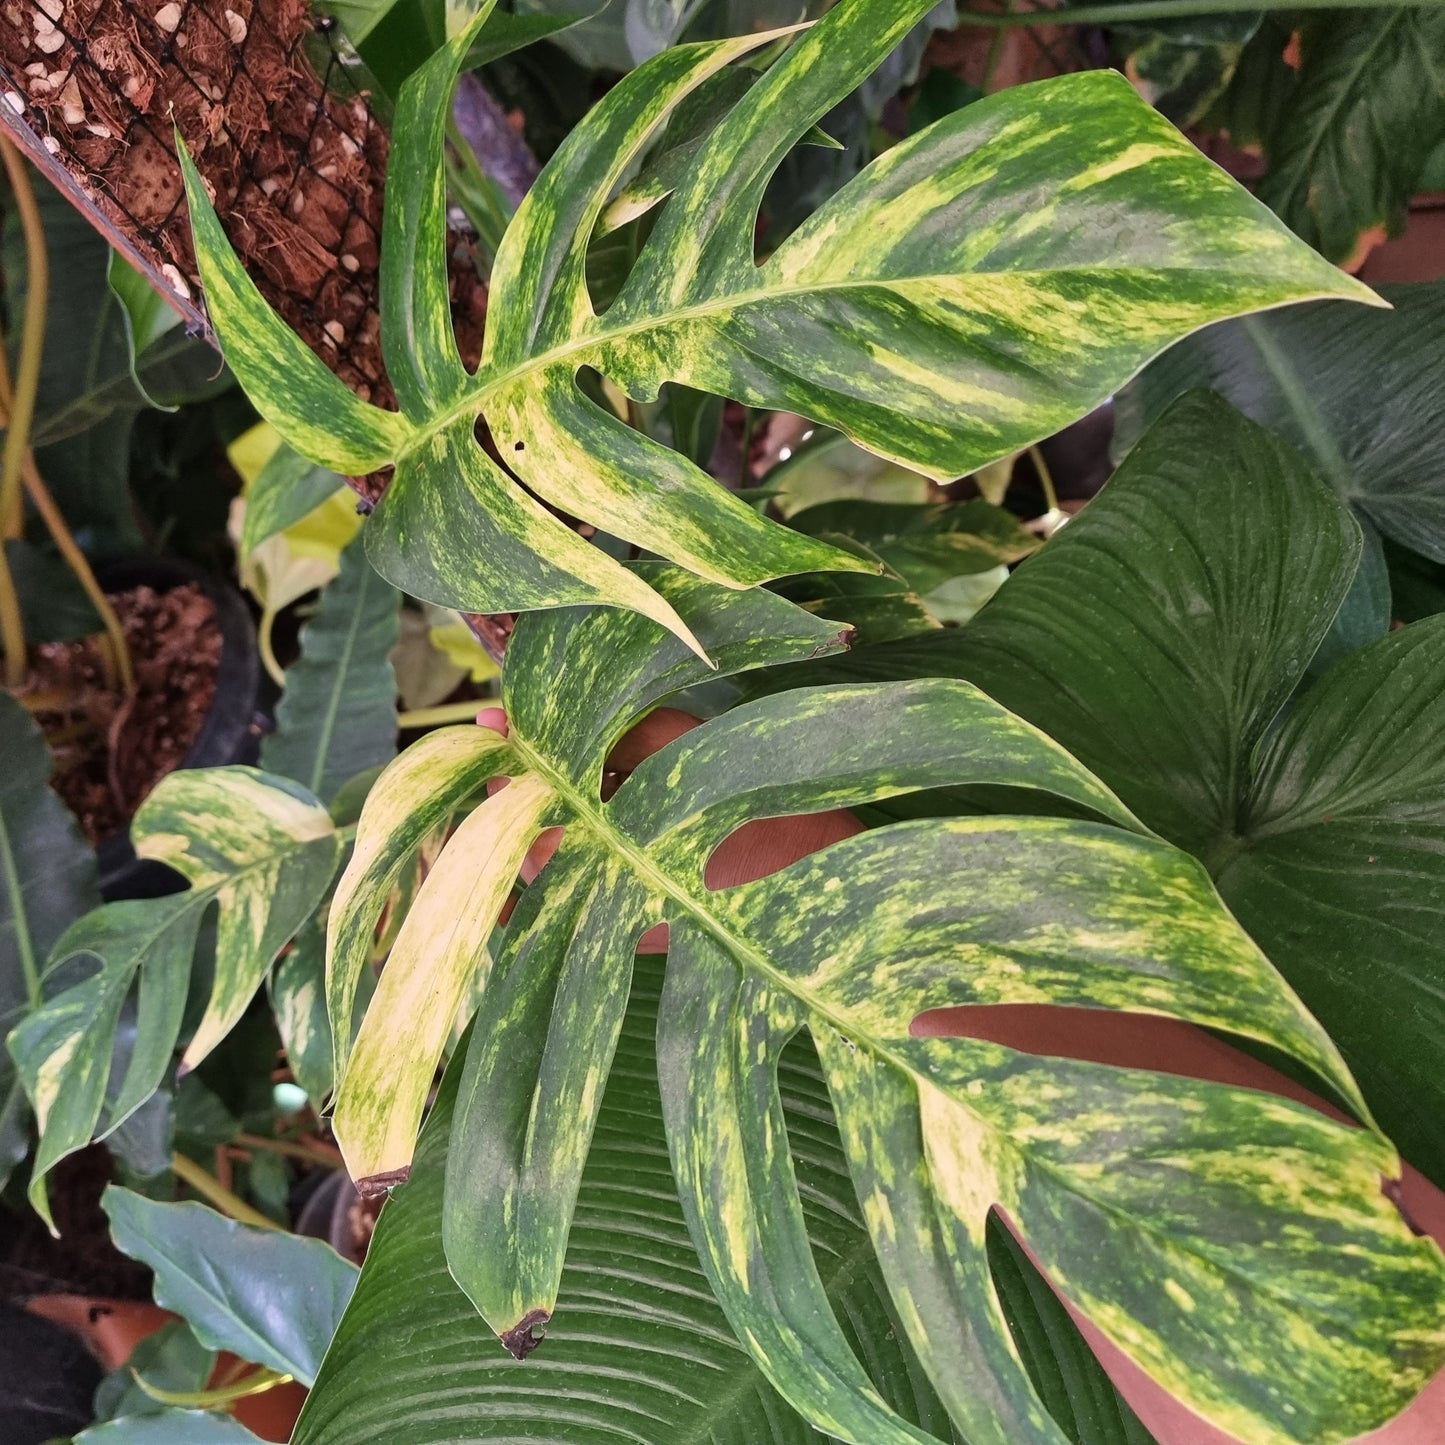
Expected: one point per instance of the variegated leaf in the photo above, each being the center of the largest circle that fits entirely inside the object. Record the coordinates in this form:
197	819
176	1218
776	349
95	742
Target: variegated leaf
1216	1206
1161	637
978	286
258	848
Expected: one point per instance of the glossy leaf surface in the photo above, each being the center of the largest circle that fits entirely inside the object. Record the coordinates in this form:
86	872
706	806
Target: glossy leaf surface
852	943
980	285
1360	393
269	1297
1158	637
1351	139
639	1348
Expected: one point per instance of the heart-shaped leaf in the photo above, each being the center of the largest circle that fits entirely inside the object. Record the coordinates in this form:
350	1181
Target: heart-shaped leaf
1159	636
269	1297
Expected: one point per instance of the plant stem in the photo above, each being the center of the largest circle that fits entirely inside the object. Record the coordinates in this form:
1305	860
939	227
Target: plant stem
263	646
32	339
290	1148
1121	13
1046	477
995	50
12	625
214	1192
450	712
75	559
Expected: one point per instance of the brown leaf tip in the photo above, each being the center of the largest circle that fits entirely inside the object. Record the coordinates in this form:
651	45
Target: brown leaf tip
526	1334
1394	1191
375	1184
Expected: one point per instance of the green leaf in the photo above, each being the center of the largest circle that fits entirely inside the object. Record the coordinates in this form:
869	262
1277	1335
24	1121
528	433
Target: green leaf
170	1427
938	344
269	1297
1351	142
639	1350
337	716
1071	1382
1360	393
441	953
263	849
171	1359
64	1049
1159	637
297	989
853	942
287	489
112	345
260	849
47	878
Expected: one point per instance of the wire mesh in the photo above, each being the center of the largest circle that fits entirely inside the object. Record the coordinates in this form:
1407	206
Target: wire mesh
289	147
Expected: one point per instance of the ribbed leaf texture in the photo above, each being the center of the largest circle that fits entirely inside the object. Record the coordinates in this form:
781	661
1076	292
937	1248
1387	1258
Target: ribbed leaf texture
1237	1246
977	287
1160	636
640	1350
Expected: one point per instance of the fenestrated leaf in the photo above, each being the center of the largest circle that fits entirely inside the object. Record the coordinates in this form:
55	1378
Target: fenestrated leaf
1352	137
263	849
1361	393
270	1297
975	288
853	942
1071	1382
337	716
47	878
256	846
639	1350
64	1049
593	697
1158	637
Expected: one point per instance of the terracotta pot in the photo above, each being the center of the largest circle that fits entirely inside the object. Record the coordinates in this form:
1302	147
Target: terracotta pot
111	1329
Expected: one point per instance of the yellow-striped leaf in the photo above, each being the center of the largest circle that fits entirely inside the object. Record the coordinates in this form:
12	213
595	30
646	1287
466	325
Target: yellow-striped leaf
1171	1211
263	852
978	286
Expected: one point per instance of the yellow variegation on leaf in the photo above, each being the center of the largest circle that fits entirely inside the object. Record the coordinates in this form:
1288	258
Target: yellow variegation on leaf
1238	1246
978	286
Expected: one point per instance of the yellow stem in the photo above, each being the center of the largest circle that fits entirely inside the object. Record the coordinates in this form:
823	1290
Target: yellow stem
1046	478
449	712
12	625
263	645
75	559
257	1382
290	1148
214	1192
32	340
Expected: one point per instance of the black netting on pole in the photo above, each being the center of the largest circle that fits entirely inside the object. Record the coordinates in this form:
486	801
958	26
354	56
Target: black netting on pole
289	149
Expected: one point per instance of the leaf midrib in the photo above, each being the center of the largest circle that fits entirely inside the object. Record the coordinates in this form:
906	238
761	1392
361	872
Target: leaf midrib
475	399
20	919
341	675
594	819
1332	110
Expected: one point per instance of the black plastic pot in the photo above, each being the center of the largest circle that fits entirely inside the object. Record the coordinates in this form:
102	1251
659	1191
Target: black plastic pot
229	733
47	1379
